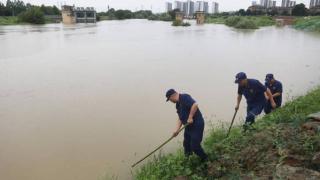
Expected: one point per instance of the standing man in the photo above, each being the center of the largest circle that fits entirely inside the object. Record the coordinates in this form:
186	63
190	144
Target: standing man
253	91
189	114
275	88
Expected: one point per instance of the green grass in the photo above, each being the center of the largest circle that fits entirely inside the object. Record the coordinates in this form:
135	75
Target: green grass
245	155
308	23
13	20
180	23
8	20
242	22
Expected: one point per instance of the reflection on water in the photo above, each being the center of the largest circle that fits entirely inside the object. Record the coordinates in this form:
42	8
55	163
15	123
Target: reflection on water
79	101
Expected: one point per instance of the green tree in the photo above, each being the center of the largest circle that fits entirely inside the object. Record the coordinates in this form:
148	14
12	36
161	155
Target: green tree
241	12
33	15
123	14
2	9
14	7
300	10
173	13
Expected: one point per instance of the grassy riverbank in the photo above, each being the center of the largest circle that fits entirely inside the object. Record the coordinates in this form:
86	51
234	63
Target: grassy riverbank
278	147
242	22
308	23
8	20
14	20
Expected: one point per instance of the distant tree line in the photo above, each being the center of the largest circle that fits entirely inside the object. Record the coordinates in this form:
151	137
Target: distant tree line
120	14
297	10
27	12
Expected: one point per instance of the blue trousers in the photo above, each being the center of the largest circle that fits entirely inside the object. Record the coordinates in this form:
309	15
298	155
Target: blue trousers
254	110
193	135
268	107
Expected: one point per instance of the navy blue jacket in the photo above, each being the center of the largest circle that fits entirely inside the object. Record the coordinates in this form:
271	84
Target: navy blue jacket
253	92
183	109
276	87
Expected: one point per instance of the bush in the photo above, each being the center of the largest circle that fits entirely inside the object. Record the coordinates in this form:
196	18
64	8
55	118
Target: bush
33	15
177	23
241	23
232	21
165	17
246	24
309	24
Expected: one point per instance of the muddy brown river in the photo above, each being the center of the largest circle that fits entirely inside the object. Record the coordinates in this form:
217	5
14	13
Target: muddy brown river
78	102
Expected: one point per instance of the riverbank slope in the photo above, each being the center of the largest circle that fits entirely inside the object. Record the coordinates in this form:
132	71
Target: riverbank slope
308	23
284	144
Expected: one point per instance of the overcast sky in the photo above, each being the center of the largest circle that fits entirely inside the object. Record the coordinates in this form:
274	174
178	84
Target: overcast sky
157	5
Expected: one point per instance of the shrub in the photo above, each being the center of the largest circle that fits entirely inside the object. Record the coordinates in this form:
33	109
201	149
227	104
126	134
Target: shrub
33	15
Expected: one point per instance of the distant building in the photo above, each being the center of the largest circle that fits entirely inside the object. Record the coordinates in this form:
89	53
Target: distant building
288	3
292	3
314	3
202	6
190	8
274	4
185	8
215	8
314	7
268	3
72	14
254	3
206	7
168	6
178	5
257	8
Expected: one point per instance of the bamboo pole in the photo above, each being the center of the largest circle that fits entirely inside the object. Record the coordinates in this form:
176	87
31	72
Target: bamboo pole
158	147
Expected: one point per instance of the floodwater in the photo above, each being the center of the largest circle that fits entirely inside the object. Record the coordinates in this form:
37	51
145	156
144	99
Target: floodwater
78	102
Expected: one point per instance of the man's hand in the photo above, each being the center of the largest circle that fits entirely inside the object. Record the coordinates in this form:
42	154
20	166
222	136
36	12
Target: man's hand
273	104
237	107
190	121
176	133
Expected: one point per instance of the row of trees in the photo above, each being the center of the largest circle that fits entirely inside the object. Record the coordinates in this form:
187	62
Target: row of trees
126	14
27	12
298	10
113	14
16	7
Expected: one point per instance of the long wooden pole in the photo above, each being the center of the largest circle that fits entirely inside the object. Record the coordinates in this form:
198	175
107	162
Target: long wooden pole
158	147
234	116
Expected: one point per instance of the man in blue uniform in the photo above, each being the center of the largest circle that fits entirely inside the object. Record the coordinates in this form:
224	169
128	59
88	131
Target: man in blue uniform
190	114
276	90
254	92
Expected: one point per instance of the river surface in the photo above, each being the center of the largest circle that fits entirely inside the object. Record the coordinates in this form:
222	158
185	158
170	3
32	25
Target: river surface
78	102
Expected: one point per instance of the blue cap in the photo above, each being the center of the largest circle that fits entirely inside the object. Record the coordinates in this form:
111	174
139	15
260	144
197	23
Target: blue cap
240	76
169	93
269	77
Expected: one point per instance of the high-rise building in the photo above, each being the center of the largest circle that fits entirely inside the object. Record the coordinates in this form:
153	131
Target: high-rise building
312	3
274	3
206	7
288	3
285	3
199	6
254	3
178	5
185	8
168	6
215	8
190	8
292	3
